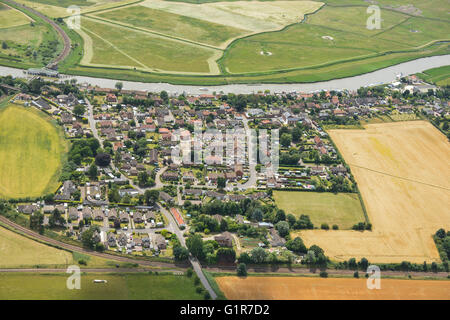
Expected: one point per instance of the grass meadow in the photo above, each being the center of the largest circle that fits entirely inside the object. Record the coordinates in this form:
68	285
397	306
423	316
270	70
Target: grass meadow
343	209
118	287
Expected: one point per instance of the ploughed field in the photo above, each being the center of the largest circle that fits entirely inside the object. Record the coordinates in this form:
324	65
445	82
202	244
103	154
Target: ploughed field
402	170
298	288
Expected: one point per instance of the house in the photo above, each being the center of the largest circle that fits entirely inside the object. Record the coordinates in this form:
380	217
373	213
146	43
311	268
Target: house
98	214
112	214
123	216
165	197
122	240
146	242
27	208
112	240
137	217
188	176
276	240
87	213
153	156
170	176
73	213
111	98
67	190
225	239
159	241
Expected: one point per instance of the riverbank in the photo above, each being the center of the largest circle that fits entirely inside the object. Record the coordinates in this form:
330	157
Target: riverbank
380	76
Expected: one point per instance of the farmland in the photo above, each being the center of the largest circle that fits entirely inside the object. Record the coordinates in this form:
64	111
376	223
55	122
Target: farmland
213	42
31	153
297	288
18	251
11	17
439	76
118	287
343	209
402	172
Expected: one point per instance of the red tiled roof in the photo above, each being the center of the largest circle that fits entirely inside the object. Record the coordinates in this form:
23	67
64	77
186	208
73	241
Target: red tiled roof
177	216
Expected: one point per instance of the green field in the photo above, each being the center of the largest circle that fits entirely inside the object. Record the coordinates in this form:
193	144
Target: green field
143	50
439	76
173	24
189	42
18	251
118	287
343	209
32	149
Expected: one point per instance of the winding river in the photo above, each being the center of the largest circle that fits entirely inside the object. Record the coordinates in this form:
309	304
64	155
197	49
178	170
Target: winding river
380	76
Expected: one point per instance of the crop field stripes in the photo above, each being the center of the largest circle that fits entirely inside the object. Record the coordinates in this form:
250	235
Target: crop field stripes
124	25
116	48
399	177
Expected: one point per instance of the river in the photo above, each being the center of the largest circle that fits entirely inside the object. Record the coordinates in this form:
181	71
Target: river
380	76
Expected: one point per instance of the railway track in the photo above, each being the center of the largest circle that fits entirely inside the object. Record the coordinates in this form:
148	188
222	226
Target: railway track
66	40
71	247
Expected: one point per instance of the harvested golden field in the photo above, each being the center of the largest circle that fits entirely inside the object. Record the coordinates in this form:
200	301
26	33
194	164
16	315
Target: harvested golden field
402	170
297	288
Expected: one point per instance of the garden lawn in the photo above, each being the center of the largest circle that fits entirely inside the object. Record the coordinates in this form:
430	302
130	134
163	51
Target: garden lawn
343	209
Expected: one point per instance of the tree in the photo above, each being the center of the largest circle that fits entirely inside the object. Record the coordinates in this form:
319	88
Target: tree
119	86
440	233
163	95
56	218
257	215
88	237
296	245
364	263
282	228
226	255
291	220
258	255
325	226
143	178
103	159
221	182
180	253
280	215
151	196
223	225
93	172
195	245
286	140
352	263
4	45
241	270
36	221
79	110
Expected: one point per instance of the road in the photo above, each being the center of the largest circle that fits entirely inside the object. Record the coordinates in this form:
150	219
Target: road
66	40
252	179
195	264
70	247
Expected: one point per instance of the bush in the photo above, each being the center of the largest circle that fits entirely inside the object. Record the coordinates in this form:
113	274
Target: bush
323	274
199	289
241	270
189	272
82	262
325	226
207	296
335	227
356	274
